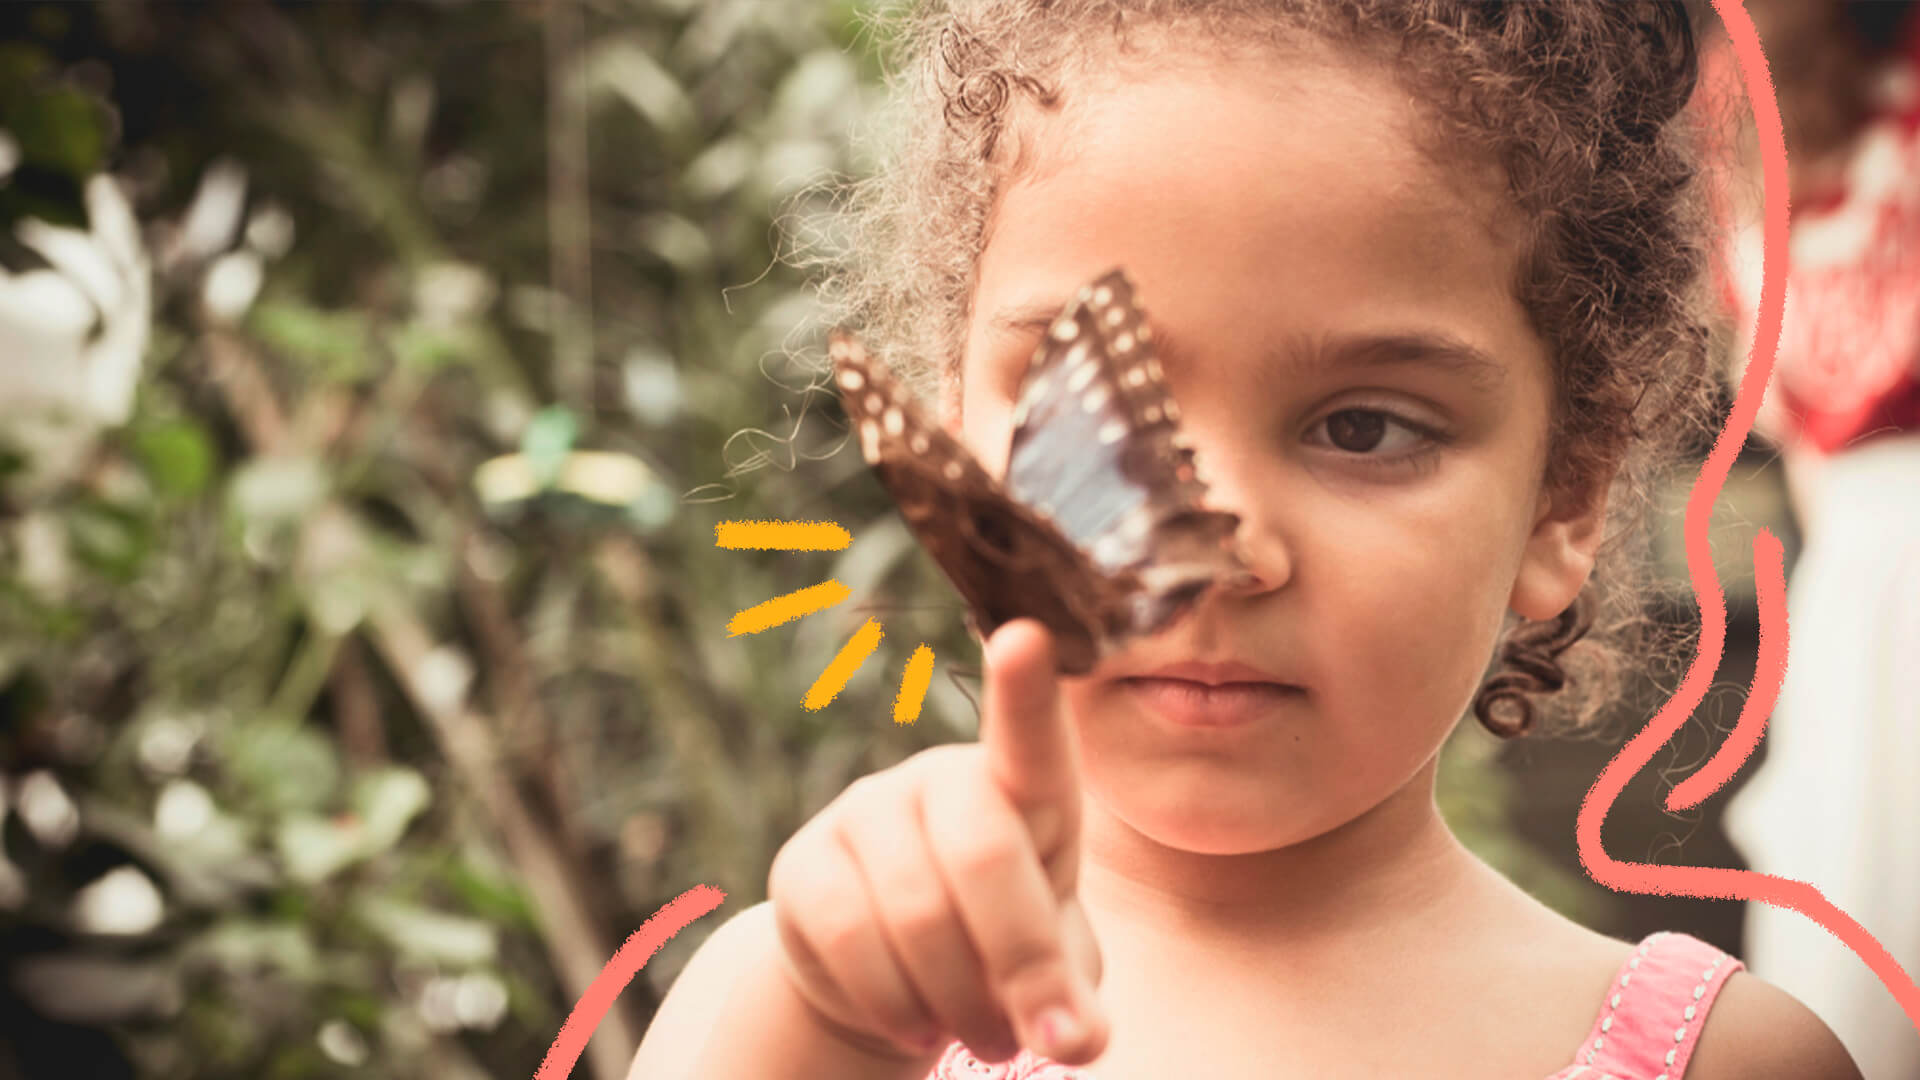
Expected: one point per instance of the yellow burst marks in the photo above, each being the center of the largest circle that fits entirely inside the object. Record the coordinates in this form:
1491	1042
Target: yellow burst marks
781	609
820	536
842	666
781	536
913	685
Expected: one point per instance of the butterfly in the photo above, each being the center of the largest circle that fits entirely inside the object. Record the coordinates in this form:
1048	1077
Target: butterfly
1098	529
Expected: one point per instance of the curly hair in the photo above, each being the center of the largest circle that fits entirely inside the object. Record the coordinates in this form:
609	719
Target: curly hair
1582	104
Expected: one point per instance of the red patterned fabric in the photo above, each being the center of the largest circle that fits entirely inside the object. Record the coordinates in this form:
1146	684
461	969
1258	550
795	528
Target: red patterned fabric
1646	1028
1848	366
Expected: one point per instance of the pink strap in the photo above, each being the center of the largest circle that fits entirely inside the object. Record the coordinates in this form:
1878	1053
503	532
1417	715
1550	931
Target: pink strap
1656	1007
959	1064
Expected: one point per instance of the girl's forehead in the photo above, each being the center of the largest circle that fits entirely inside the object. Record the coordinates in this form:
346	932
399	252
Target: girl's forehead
1236	132
1315	175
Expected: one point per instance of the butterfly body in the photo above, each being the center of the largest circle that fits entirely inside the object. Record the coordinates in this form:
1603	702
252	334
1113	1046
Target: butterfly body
1099	529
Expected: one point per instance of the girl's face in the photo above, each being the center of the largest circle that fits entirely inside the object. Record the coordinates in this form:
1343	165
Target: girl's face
1335	314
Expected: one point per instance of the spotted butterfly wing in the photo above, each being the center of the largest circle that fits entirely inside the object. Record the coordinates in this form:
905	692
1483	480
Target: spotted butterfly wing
1098	532
1004	559
1097	447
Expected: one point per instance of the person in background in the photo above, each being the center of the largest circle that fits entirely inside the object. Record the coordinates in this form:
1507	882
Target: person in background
1834	799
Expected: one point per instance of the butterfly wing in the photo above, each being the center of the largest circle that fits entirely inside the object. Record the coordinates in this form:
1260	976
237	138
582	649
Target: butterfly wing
1097	447
1006	561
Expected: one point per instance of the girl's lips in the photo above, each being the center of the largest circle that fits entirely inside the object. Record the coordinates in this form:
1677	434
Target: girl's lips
1195	704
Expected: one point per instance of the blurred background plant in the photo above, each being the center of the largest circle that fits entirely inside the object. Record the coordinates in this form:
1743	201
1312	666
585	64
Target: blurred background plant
372	379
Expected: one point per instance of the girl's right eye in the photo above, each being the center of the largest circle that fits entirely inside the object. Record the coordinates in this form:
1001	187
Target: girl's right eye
1358	433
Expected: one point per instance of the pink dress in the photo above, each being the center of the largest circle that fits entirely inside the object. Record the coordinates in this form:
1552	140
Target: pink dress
1646	1028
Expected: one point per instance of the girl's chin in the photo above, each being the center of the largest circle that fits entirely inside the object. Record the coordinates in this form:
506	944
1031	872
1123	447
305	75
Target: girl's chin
1218	825
1220	843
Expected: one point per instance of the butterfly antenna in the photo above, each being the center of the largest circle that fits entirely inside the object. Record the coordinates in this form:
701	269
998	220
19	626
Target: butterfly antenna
954	673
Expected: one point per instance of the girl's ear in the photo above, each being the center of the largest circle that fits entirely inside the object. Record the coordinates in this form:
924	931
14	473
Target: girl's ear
1558	557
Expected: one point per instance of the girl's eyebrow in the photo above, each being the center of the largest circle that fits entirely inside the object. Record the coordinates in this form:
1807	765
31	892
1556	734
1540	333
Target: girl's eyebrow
1411	348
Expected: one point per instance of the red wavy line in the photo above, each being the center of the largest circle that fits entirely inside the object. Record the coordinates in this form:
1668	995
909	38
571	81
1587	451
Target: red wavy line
626	963
1770	585
1716	882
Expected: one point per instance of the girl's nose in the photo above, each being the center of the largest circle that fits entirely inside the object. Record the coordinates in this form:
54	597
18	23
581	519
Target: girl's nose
1269	565
1266	554
1235	483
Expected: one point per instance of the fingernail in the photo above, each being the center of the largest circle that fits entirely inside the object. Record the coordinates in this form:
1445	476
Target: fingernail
1058	1029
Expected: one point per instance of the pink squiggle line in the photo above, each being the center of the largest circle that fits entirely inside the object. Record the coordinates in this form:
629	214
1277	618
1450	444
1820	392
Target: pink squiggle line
1770	669
626	963
1718	882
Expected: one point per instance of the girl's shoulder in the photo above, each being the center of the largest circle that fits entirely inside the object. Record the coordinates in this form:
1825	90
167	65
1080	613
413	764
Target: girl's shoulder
1761	1032
1681	1007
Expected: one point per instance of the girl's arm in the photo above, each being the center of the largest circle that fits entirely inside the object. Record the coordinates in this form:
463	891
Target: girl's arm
732	1013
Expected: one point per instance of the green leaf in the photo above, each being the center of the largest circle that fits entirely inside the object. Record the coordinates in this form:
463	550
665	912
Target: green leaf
547	442
492	898
286	768
60	128
629	72
387	801
111	540
335	340
277	489
177	457
425	347
316	848
21	65
430	935
243	945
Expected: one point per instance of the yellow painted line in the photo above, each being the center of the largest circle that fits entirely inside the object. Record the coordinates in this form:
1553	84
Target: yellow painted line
781	536
781	609
913	686
841	668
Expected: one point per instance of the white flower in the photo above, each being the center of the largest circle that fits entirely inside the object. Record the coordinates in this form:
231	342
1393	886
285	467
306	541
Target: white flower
343	1043
449	292
270	231
72	335
441	679
183	809
480	1001
48	812
9	154
122	901
231	284
213	218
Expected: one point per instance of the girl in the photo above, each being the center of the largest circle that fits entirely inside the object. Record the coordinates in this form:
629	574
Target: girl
1424	277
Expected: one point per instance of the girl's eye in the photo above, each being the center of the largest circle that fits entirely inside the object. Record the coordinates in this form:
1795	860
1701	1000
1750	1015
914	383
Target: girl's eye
1382	437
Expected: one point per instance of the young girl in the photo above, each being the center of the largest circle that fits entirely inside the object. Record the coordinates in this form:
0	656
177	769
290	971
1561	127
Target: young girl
1423	276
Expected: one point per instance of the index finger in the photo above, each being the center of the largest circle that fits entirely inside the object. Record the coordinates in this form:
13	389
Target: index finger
1029	750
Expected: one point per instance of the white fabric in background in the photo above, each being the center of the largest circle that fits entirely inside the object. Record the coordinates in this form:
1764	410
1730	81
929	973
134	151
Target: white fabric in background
1836	803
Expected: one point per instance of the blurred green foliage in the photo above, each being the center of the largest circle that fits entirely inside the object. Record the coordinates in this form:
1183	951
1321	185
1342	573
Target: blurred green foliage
368	765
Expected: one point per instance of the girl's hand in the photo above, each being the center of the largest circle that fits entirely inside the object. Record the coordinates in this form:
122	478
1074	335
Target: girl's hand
936	899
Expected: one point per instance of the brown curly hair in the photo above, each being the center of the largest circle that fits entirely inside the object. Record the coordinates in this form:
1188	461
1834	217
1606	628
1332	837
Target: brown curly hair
1581	104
